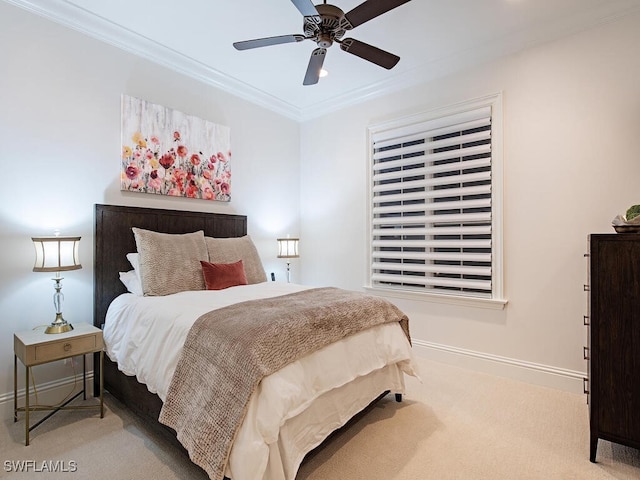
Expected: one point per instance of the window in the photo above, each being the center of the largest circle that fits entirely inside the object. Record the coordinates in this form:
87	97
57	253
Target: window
435	203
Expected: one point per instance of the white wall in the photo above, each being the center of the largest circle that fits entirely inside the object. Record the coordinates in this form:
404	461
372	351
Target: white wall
571	118
571	142
60	150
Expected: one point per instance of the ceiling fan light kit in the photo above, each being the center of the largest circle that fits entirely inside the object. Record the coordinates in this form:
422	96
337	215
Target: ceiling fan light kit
326	24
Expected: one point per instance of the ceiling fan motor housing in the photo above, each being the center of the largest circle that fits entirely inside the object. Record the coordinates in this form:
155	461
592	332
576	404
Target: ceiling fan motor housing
328	30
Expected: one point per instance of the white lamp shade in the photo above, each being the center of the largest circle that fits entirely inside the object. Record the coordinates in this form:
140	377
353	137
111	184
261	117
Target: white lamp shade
288	247
56	254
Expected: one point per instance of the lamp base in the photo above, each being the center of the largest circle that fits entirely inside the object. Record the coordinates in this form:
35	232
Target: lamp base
59	327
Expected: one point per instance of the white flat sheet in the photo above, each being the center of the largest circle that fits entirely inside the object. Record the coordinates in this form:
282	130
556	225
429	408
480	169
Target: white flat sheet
144	335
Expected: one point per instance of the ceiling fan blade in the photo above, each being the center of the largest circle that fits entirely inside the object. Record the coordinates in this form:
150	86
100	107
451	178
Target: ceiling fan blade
265	42
315	65
369	52
306	8
369	10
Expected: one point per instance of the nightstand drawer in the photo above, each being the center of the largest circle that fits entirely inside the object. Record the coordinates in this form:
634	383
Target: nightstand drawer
34	347
66	348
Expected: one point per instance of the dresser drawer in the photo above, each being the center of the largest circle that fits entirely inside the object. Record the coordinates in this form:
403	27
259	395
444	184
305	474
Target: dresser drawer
66	348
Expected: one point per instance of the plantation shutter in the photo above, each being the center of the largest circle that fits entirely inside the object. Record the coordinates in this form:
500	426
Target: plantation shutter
431	212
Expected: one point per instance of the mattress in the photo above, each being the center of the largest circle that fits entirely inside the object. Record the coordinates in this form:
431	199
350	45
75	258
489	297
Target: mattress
292	410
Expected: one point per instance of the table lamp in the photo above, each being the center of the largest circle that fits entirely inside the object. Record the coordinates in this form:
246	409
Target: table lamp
57	254
288	248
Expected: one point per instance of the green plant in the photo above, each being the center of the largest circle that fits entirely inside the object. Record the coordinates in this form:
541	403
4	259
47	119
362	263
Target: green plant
632	212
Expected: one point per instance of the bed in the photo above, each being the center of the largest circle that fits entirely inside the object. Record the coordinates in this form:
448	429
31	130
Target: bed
276	432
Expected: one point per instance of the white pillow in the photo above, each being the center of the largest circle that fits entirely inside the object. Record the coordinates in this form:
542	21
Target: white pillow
131	280
134	260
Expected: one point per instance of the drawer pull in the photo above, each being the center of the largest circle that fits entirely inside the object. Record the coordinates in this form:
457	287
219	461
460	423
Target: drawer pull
67	347
585	386
585	352
586	320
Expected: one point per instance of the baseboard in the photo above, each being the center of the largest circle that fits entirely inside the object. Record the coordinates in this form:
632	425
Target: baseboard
534	373
528	372
50	393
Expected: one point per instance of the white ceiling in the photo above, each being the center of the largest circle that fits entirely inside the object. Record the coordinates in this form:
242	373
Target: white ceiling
432	37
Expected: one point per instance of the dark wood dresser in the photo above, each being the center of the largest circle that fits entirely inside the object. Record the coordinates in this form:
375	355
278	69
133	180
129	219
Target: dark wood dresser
614	339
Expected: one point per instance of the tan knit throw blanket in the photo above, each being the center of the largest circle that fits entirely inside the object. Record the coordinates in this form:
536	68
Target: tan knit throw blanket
228	351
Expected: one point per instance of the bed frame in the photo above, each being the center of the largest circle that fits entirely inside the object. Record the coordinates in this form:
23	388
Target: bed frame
113	239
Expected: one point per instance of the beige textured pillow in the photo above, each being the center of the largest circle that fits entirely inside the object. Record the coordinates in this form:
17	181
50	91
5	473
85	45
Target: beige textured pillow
170	263
230	250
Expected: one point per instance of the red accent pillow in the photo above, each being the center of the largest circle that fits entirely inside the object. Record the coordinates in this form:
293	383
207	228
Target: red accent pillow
218	276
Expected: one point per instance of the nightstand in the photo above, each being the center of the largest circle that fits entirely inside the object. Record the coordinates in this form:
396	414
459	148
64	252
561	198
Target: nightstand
34	347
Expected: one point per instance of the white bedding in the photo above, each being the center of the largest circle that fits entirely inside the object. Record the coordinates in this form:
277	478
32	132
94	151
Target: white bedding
292	410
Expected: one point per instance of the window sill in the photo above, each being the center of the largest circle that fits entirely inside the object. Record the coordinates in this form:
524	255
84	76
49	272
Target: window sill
488	303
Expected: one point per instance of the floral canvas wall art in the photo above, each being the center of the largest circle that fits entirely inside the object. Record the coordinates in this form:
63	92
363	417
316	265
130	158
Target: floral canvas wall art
168	152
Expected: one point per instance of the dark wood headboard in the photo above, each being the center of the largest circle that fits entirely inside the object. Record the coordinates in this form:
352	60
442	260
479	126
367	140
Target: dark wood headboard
114	239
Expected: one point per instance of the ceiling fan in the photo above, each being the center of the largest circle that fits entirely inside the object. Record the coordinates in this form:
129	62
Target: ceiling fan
326	24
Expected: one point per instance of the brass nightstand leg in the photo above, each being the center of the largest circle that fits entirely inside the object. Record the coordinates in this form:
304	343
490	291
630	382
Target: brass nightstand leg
15	388
84	377
101	384
26	409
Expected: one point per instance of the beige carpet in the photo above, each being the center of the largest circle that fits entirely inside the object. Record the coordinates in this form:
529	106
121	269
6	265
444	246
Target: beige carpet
457	424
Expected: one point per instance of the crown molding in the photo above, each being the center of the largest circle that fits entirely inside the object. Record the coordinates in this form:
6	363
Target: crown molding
81	20
466	59
72	16
92	25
